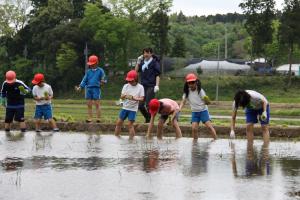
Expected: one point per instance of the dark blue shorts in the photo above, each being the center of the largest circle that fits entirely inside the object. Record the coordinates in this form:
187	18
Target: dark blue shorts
165	117
202	116
43	111
92	93
127	113
253	116
16	114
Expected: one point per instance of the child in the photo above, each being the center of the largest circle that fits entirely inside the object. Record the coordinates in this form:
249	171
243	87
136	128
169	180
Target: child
195	95
92	81
132	93
12	97
164	107
42	94
256	106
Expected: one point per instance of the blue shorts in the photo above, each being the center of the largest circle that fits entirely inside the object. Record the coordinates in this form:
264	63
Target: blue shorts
43	111
165	117
202	116
252	116
92	93
127	113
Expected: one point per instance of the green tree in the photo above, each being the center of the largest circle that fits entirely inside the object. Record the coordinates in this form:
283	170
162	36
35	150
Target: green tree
289	30
259	15
158	27
179	48
13	16
109	31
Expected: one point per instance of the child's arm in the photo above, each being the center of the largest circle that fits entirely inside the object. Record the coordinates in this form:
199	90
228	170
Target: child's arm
232	125
182	103
49	95
150	127
83	83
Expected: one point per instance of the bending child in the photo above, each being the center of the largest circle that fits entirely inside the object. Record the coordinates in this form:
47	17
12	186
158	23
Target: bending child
256	109
132	93
164	107
198	100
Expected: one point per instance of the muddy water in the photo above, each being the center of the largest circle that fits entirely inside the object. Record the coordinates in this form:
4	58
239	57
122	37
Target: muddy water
79	166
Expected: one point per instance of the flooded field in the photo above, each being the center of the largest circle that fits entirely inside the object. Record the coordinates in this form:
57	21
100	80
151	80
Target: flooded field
79	166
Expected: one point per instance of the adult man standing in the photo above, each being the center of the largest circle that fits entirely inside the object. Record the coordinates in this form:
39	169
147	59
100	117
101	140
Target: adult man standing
149	68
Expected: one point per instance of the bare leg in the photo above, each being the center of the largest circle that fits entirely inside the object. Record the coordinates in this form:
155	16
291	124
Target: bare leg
131	129
22	125
266	134
98	109
249	130
160	126
90	112
52	123
7	126
195	126
213	133
37	124
177	129
118	127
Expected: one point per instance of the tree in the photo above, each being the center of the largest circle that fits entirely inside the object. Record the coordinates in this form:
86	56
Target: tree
13	16
109	31
158	27
179	48
289	30
259	15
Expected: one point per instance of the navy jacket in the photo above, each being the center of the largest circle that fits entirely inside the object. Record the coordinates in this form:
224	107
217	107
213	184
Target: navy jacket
148	76
15	99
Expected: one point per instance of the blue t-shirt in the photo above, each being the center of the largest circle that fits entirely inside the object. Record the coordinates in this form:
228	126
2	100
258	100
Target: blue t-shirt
149	74
92	78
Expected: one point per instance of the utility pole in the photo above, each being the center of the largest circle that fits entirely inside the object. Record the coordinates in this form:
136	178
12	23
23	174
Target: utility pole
225	56
218	67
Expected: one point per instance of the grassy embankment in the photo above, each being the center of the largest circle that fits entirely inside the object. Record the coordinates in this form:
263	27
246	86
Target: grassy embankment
283	103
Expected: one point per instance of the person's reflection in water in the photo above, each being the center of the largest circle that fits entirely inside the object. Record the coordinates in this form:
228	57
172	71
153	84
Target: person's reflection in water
150	160
42	142
257	164
233	160
199	157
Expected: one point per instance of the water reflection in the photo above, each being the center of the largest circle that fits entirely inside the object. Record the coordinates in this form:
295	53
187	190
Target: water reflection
150	160
42	142
256	164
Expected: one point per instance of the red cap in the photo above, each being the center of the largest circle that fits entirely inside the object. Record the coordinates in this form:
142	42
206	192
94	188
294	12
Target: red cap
38	78
10	76
190	77
93	60
131	75
154	105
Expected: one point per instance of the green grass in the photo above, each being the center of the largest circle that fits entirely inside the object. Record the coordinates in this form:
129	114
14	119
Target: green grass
76	110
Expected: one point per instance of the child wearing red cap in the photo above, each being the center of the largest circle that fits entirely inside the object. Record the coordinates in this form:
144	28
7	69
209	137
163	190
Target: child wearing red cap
12	98
92	81
195	95
132	93
164	107
42	94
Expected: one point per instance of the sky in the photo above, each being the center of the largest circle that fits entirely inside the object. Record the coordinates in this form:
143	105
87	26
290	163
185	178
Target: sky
210	7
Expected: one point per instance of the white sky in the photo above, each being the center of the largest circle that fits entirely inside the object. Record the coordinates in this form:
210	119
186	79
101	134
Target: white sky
210	7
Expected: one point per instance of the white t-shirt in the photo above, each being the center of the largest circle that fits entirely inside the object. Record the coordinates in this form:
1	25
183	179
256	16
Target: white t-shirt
256	100
136	91
38	91
195	100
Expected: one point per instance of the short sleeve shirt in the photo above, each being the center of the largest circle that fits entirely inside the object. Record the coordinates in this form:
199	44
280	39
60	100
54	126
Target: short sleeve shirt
256	100
136	91
195	100
38	91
